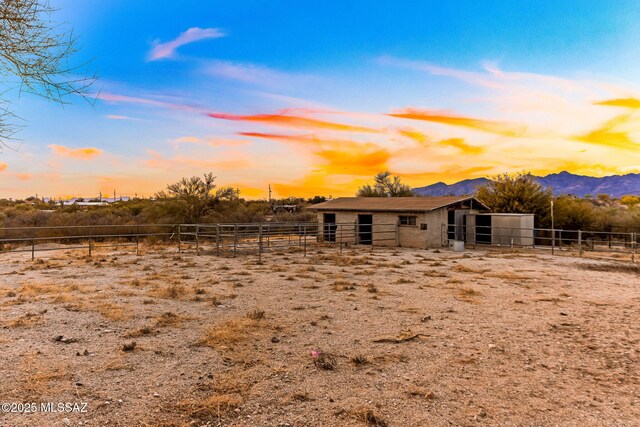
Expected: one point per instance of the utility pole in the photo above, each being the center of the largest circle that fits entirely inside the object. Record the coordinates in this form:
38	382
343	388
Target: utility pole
269	192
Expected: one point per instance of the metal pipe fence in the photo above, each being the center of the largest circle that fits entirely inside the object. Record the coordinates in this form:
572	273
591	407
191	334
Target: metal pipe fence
258	238
90	237
554	240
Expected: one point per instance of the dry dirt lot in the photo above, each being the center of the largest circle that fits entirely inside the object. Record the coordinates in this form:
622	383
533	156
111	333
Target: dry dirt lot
389	337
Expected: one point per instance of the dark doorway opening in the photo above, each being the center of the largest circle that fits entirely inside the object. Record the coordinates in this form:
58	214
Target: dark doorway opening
365	229
330	227
483	229
451	225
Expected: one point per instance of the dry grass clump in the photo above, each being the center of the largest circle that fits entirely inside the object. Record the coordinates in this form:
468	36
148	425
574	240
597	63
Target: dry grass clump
360	359
216	405
468	294
342	285
112	311
26	320
233	331
40	378
174	290
369	416
611	267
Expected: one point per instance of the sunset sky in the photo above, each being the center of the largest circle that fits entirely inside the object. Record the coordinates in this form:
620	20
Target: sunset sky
315	97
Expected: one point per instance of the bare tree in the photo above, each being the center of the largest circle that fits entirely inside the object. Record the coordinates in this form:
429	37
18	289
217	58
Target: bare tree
35	54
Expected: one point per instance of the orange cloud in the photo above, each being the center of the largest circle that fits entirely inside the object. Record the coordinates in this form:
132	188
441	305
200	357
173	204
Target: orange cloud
462	146
342	157
293	122
417	136
498	128
157	161
610	135
3	166
621	102
75	153
23	176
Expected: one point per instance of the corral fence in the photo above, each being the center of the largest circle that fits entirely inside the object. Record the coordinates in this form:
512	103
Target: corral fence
259	238
90	237
573	242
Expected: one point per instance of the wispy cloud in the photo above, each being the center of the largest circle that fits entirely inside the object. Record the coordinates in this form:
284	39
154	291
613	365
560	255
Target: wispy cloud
632	103
461	145
498	128
294	122
119	98
84	153
212	142
158	161
254	74
615	134
118	117
167	50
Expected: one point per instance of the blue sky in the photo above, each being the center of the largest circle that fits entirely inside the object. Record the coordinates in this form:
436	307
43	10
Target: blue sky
529	78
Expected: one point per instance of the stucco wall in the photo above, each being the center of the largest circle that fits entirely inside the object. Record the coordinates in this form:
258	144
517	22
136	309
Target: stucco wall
387	232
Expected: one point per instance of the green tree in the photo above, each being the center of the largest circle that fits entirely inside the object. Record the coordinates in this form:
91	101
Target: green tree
385	185
571	213
517	193
190	199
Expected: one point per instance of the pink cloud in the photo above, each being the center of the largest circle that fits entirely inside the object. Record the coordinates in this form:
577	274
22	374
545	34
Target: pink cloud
3	166
114	97
117	117
167	50
75	153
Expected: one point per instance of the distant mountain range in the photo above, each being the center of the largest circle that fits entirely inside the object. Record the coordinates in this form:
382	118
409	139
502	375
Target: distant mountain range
560	183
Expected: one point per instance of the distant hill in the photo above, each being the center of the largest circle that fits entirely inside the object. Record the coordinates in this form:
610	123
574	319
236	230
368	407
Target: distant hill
560	183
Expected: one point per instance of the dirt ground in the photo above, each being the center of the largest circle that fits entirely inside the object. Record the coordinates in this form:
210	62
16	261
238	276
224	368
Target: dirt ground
385	337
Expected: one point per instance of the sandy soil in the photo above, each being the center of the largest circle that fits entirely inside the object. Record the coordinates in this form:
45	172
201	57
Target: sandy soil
389	337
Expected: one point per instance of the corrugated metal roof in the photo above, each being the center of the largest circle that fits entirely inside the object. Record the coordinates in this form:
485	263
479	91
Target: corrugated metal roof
394	204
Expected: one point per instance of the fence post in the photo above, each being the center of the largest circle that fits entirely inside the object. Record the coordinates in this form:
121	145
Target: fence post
138	239
179	238
553	241
633	247
560	240
217	239
90	240
235	240
580	243
340	243
33	250
197	239
305	241
260	243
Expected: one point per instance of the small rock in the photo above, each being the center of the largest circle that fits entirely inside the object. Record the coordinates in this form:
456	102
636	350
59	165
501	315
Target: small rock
426	318
275	339
129	346
156	394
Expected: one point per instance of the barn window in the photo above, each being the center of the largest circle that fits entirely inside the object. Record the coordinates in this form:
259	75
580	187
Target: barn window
407	220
